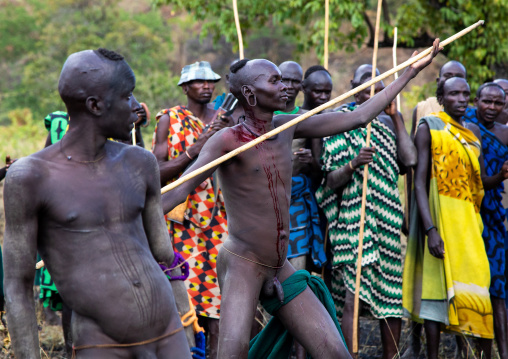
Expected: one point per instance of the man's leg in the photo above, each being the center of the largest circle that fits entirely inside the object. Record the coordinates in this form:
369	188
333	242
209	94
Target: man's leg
347	320
433	334
500	331
66	327
309	323
484	347
212	337
390	336
299	263
415	333
240	283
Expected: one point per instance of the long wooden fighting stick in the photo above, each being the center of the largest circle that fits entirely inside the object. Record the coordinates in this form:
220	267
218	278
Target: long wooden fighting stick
327	27
396	75
238	30
364	195
318	109
325	65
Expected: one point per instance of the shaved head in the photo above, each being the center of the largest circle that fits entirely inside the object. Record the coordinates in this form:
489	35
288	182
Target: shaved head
453	66
247	72
503	83
291	66
92	73
361	73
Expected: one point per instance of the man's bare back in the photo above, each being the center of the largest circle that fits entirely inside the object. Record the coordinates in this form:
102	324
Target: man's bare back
91	208
256	185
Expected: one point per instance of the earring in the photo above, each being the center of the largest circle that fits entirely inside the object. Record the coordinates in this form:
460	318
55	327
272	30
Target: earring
255	101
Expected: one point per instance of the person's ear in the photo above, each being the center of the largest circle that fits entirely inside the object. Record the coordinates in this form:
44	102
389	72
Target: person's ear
476	99
437	80
95	105
304	85
247	92
185	89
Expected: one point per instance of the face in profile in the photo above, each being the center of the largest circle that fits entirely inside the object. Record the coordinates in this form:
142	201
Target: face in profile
122	104
270	91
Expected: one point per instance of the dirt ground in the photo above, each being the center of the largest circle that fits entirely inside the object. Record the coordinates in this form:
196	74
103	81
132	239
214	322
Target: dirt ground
52	344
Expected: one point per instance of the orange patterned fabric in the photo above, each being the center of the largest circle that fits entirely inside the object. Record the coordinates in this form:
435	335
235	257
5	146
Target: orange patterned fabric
204	229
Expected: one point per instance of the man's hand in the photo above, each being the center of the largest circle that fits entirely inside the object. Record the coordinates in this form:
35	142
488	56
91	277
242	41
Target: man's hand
143	116
304	155
9	162
391	109
215	126
436	244
504	170
365	156
421	64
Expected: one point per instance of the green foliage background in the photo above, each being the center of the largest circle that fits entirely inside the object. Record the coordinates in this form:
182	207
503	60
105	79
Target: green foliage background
158	37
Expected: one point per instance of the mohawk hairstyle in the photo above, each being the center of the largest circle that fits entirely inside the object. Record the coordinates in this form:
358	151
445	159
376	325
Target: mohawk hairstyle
313	69
109	54
238	65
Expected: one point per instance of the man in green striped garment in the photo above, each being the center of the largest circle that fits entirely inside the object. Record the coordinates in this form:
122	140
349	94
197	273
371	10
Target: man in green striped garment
340	195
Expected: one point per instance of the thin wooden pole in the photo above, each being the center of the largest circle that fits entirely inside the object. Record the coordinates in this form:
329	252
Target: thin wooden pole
394	54
306	115
396	76
238	30
356	310
318	109
327	27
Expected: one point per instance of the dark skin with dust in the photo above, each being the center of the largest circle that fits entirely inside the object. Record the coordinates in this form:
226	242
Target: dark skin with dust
97	225
261	177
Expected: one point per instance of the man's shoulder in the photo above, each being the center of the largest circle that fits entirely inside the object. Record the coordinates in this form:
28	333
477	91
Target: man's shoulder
175	111
132	154
27	171
501	131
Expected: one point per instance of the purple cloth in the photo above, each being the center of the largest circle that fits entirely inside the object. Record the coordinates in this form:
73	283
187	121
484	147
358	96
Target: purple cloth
176	262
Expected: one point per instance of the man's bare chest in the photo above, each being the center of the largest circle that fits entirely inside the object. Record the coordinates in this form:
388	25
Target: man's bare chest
83	197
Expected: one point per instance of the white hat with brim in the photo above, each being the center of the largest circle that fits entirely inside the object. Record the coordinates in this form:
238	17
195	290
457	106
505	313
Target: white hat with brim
198	71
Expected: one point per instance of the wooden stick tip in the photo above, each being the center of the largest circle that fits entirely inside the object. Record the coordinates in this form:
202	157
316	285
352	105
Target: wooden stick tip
481	22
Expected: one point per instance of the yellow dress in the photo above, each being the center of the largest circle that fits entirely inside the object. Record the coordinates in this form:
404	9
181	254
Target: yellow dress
454	290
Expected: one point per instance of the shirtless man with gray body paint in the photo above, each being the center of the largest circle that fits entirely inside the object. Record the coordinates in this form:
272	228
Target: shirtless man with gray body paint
91	207
257	186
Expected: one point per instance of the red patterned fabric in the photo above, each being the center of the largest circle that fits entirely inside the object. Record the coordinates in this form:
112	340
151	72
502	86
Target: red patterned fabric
205	227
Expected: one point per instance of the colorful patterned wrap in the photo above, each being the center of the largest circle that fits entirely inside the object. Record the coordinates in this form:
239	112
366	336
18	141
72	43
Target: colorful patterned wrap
204	229
381	280
304	228
495	153
454	290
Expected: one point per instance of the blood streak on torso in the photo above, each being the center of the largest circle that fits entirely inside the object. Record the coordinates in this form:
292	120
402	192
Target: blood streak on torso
273	188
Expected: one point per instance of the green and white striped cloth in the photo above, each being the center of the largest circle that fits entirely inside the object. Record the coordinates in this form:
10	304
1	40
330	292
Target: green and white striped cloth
381	281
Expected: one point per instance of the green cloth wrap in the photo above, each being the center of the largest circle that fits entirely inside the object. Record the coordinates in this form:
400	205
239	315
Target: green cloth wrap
274	341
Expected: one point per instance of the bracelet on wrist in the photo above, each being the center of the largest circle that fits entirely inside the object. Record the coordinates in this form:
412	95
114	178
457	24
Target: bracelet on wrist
351	165
429	229
187	153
